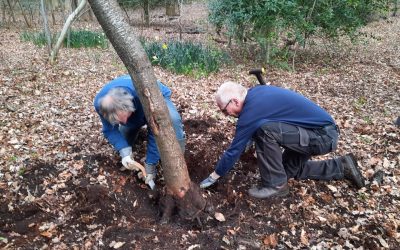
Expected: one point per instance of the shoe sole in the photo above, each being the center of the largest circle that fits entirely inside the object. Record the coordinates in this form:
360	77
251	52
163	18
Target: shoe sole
278	194
355	170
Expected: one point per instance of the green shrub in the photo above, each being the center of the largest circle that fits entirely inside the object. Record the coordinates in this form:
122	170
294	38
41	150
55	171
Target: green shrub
275	24
185	57
76	39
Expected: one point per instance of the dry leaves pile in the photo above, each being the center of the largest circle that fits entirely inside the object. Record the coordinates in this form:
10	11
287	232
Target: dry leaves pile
55	166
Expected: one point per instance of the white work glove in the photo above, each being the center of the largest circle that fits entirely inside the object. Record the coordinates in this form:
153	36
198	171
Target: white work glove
129	163
210	180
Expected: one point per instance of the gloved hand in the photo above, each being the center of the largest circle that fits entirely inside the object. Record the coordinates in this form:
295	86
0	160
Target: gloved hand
151	171
129	163
210	180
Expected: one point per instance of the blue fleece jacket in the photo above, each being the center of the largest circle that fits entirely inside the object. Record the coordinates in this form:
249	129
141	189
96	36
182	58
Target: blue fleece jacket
136	120
265	104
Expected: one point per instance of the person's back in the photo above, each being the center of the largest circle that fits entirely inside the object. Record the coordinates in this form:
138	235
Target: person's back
122	116
277	118
273	104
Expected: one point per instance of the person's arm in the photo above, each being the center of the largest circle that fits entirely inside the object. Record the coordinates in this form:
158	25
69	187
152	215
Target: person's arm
230	156
115	138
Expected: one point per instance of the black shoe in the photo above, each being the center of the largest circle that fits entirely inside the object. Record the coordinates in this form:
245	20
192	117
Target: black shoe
268	192
351	170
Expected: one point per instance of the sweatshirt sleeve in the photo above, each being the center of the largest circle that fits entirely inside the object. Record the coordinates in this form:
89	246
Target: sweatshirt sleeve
238	145
113	135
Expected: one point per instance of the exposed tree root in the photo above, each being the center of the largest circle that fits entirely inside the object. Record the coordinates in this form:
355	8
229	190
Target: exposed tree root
189	207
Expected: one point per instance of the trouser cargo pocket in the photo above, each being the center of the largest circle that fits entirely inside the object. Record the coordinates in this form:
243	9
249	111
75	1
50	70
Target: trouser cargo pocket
322	142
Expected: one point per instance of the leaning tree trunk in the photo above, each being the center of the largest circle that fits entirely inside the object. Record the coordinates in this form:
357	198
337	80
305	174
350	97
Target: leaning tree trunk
134	57
63	33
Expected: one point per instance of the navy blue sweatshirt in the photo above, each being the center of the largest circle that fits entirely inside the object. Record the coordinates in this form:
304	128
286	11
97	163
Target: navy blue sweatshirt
265	104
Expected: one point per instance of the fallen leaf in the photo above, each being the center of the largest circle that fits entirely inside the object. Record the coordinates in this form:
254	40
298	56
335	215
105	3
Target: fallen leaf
270	240
116	245
322	219
383	242
332	188
326	197
47	234
194	246
344	233
226	240
231	231
304	237
219	216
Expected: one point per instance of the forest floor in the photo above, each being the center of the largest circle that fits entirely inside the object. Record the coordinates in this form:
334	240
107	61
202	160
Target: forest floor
60	184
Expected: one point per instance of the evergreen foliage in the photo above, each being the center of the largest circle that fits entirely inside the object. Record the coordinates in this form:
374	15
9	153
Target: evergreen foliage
275	24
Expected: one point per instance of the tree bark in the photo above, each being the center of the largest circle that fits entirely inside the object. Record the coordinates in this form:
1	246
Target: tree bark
146	12
24	15
11	11
63	33
134	57
45	24
172	8
3	11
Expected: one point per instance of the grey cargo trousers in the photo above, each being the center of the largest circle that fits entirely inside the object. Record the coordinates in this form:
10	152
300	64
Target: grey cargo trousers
299	145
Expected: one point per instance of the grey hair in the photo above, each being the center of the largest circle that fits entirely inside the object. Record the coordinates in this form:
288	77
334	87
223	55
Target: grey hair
117	99
229	90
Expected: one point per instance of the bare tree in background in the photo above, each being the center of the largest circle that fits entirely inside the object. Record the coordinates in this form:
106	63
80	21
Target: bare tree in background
172	7
45	25
146	12
180	190
11	6
71	18
24	14
3	11
395	7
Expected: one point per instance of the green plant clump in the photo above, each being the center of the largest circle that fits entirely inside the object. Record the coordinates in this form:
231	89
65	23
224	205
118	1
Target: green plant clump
76	39
185	57
38	38
276	25
86	38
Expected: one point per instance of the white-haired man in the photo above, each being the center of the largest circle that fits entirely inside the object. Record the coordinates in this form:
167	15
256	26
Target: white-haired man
277	118
122	116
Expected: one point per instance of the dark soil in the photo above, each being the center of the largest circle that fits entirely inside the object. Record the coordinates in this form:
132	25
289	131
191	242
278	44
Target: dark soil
126	210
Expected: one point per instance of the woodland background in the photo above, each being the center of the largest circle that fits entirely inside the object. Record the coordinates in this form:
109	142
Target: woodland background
59	179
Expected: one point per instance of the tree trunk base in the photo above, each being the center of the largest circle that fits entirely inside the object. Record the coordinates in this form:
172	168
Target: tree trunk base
189	207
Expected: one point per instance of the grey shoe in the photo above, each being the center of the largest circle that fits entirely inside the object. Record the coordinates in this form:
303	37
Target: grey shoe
351	170
268	192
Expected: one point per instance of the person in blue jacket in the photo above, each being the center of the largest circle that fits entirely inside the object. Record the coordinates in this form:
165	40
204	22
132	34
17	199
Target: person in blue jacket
275	119
122	116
